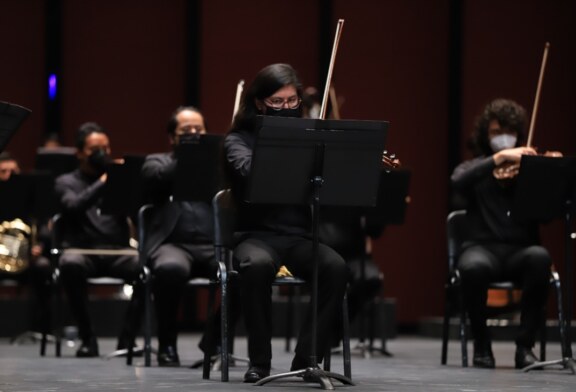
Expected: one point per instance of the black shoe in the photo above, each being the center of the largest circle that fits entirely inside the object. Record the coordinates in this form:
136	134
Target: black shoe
298	363
524	357
168	356
124	343
483	357
256	373
88	348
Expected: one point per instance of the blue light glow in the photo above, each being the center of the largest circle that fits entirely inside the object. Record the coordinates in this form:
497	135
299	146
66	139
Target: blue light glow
52	87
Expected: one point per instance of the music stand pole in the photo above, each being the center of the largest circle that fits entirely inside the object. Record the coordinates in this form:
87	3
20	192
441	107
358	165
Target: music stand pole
313	373
567	360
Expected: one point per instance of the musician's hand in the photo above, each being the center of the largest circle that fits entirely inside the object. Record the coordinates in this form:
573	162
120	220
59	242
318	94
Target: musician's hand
512	154
104	177
553	154
36	250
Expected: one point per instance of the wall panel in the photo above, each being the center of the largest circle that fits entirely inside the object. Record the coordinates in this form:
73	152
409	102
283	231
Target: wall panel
22	71
123	66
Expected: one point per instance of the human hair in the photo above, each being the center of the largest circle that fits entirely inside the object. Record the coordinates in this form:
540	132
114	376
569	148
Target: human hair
84	131
508	113
6	156
268	80
173	121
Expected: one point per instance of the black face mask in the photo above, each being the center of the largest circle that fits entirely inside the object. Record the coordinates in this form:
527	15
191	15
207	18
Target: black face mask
284	112
99	160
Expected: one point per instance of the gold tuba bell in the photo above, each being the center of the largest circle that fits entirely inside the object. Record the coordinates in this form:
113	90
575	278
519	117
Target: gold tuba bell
14	246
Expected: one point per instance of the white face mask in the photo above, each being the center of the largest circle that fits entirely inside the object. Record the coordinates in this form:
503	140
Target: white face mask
502	142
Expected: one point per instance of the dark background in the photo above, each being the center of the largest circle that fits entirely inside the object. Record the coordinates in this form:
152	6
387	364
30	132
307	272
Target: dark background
426	66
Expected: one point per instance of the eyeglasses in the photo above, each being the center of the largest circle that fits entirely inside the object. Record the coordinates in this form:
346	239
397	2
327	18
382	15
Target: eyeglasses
278	103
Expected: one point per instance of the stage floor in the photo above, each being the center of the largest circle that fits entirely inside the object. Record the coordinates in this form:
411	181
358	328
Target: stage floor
415	366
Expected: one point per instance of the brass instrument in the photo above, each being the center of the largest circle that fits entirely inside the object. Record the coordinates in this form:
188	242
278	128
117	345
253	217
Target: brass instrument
14	246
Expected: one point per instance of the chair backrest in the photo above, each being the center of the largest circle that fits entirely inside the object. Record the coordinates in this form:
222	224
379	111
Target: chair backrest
457	233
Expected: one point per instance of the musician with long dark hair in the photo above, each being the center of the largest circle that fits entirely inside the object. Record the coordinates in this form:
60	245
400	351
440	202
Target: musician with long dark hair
272	236
499	247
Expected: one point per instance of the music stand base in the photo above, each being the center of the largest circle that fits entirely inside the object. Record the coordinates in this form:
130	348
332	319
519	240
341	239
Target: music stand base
216	362
567	363
311	374
136	352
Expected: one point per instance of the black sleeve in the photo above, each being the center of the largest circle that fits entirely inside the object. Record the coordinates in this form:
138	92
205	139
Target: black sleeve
158	174
73	198
238	155
470	172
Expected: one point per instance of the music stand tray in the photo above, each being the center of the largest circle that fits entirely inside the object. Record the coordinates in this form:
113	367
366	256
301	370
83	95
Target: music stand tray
544	190
198	175
392	198
316	162
122	194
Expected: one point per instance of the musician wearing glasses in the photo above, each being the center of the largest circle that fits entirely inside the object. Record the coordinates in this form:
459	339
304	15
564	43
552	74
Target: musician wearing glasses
80	196
274	236
179	244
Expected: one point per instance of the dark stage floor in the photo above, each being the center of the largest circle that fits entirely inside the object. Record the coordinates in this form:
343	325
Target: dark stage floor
415	366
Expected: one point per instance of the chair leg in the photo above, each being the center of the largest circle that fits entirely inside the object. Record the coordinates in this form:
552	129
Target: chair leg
445	332
224	333
463	339
346	339
147	320
289	315
543	336
208	334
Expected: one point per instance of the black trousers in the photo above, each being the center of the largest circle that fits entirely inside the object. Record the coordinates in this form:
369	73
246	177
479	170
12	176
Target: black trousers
172	265
74	272
529	267
257	259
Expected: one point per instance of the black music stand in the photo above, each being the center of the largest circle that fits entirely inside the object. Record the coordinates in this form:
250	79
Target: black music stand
293	160
545	189
122	194
11	117
389	210
198	176
59	160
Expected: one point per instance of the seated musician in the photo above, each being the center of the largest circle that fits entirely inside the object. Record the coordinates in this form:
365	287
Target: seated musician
272	236
180	244
499	247
80	196
36	269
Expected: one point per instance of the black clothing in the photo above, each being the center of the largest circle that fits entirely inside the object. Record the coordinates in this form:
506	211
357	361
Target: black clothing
489	204
80	199
499	248
179	244
272	236
84	226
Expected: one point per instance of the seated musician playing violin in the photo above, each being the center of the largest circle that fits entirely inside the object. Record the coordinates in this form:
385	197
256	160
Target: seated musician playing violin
499	248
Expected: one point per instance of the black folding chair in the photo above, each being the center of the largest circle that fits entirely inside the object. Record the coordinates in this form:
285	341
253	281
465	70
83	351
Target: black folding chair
457	233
